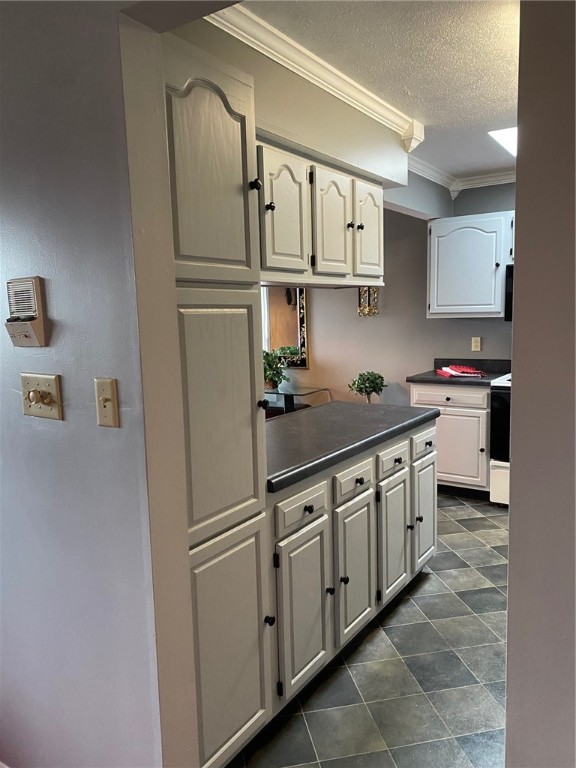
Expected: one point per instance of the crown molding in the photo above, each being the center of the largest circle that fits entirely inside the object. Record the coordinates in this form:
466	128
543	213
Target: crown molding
258	34
455	184
420	167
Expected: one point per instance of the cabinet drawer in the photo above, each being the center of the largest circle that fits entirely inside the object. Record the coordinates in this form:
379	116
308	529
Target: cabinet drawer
396	457
423	443
301	508
352	481
458	397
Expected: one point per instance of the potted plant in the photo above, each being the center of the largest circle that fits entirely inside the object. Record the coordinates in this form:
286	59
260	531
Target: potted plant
274	366
367	384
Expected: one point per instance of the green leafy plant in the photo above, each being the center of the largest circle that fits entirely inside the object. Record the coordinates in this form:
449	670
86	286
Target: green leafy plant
287	351
367	384
274	366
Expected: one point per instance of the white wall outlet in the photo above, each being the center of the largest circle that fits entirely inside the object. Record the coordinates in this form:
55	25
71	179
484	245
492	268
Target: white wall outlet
106	403
41	395
476	344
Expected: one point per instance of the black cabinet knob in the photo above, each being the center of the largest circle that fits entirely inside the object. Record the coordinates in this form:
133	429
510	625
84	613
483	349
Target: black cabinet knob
309	508
398	460
410	527
497	264
345	579
350	225
482	450
359	481
263	404
270	620
448	398
419	519
360	226
255	184
330	590
270	206
428	443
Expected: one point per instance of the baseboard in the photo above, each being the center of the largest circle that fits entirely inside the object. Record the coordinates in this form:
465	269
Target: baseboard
463	493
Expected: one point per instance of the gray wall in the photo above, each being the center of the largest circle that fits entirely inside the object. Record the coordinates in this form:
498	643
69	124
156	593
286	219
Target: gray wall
541	640
499	197
421	198
400	340
77	666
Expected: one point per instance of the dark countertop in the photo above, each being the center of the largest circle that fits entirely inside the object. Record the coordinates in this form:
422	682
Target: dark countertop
492	368
305	442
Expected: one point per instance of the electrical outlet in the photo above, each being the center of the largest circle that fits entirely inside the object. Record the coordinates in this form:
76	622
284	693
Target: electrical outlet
476	344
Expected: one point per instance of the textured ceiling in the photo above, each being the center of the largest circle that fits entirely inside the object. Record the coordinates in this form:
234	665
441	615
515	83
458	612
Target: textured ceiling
451	65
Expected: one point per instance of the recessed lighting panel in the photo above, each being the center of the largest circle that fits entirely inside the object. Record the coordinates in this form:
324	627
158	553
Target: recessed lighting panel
508	138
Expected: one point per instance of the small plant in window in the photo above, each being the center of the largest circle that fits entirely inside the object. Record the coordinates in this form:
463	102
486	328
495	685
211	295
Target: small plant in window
367	384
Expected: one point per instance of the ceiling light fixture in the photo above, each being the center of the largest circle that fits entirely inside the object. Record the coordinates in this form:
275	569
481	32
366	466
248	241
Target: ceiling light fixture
508	138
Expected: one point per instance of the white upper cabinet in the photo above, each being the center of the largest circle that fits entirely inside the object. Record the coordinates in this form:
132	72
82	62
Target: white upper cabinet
212	151
332	210
369	223
467	259
284	206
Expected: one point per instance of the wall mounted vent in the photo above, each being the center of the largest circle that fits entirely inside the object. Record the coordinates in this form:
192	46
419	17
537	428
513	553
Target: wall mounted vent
26	324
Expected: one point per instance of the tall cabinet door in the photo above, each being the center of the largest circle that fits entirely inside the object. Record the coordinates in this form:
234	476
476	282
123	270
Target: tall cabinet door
304	605
355	565
333	223
230	603
393	534
212	150
220	333
423	510
284	220
369	221
461	441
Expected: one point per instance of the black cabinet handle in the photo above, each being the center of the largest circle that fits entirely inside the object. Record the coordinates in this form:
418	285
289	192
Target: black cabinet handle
255	184
360	226
428	443
350	225
448	398
345	579
359	481
482	450
309	508
419	519
497	264
270	620
263	404
330	590
270	206
398	460
410	527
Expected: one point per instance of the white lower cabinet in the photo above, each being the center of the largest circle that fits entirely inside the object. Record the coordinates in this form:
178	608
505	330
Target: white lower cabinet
461	441
461	431
355	561
276	597
424	510
305	596
234	635
394	516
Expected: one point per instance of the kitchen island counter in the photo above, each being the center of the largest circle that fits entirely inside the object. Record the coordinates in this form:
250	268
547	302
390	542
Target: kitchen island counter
306	442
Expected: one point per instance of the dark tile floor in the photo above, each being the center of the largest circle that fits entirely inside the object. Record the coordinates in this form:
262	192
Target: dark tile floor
423	686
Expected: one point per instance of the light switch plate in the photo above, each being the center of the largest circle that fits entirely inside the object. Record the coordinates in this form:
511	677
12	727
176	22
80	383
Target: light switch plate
41	395
106	403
